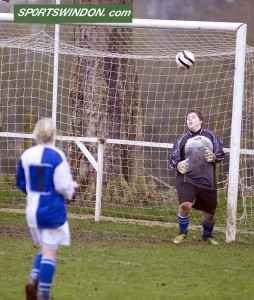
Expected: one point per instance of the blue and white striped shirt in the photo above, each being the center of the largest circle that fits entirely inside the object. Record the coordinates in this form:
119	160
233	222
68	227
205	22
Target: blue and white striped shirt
45	176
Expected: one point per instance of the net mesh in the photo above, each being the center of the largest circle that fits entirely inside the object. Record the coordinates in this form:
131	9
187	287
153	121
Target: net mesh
122	85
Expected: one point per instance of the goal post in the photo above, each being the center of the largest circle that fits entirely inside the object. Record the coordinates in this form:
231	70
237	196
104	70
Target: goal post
118	101
235	141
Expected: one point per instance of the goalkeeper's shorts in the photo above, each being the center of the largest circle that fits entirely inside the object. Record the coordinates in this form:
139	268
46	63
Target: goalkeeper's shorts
202	199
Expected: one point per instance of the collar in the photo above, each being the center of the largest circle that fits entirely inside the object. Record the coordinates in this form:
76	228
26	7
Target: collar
193	133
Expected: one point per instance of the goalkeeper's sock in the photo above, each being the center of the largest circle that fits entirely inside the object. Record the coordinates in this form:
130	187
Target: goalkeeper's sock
34	274
207	228
183	223
47	270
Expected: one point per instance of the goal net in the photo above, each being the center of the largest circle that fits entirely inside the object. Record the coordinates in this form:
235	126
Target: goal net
119	102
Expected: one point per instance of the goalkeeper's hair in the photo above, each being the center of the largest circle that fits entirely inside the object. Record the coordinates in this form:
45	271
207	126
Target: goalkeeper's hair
198	113
44	131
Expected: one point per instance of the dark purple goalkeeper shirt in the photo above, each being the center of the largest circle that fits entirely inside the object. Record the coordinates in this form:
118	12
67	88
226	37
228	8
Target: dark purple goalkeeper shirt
191	145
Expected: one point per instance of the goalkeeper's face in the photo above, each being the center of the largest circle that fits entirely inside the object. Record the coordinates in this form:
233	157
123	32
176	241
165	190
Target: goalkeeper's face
193	122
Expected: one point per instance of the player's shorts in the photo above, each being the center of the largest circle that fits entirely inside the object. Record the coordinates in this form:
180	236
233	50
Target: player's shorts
202	199
51	238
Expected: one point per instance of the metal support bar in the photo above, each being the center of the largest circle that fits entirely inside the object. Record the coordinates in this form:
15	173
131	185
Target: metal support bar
99	178
88	155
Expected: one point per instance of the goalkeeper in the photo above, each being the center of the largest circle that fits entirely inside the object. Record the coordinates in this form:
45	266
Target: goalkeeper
44	175
194	156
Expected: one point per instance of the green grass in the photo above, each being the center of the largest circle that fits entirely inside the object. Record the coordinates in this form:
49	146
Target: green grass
11	197
109	261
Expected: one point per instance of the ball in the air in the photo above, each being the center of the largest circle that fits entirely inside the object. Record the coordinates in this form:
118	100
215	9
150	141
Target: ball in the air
185	59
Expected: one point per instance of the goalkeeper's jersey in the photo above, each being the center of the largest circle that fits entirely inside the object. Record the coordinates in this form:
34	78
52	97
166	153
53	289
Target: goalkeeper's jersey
191	146
45	176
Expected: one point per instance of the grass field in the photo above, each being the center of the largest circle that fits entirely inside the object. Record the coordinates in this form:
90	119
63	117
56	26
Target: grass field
113	261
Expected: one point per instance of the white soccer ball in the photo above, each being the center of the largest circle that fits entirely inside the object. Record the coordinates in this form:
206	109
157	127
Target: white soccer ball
185	59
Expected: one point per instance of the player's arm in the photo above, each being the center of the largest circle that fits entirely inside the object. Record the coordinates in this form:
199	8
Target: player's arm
20	177
217	154
174	155
218	150
63	181
176	162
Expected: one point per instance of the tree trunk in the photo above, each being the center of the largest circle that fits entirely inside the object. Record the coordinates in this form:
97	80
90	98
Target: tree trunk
105	102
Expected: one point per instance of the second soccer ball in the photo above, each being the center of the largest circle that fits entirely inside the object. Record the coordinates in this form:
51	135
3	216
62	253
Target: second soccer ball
185	59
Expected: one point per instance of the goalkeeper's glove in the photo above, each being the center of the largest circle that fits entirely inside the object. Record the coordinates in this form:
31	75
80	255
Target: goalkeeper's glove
209	155
183	166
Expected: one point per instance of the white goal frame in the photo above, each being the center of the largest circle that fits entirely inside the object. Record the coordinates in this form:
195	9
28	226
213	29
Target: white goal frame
240	29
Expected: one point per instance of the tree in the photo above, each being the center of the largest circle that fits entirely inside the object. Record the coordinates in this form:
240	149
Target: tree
105	102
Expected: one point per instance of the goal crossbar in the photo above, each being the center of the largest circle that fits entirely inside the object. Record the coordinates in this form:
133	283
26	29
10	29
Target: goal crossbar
153	23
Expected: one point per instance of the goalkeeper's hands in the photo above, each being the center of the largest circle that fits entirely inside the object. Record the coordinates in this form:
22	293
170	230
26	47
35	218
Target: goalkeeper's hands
209	155
183	166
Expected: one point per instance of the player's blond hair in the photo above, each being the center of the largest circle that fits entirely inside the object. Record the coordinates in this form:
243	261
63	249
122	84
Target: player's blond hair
44	131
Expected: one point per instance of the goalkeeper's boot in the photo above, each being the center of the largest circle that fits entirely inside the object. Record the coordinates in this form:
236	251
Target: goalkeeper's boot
210	240
181	236
31	291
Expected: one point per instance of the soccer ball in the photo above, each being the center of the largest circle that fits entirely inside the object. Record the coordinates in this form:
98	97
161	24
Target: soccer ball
185	59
